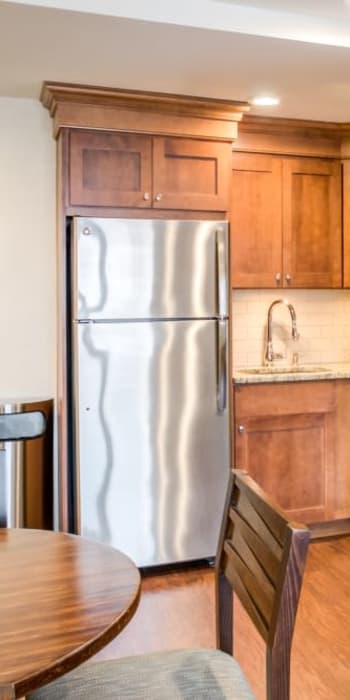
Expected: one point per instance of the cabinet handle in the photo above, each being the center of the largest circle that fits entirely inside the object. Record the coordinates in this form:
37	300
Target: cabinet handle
158	197
288	279
146	196
278	277
241	429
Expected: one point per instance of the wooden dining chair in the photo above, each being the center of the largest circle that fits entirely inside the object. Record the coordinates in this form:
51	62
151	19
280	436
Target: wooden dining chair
261	557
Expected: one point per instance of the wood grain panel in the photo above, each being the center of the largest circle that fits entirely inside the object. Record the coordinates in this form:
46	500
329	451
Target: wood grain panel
110	169
269	554
249	573
288	445
62	598
346	222
342	432
287	458
38	473
63	383
298	137
280	398
89	106
235	575
270	601
133	213
312	223
256	221
177	609
191	174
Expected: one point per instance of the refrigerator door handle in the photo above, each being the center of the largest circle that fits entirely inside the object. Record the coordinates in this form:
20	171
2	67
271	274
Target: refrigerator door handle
221	276
221	365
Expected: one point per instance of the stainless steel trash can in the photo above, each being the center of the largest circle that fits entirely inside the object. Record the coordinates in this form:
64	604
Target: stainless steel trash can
26	469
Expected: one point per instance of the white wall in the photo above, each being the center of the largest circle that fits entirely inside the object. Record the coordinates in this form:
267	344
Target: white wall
27	250
323	321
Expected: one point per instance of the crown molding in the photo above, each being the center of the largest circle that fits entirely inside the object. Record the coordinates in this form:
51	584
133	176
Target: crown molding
292	136
255	123
85	106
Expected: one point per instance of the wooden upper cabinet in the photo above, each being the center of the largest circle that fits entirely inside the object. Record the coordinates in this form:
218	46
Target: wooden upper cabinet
285	222
256	220
346	222
190	174
312	222
111	169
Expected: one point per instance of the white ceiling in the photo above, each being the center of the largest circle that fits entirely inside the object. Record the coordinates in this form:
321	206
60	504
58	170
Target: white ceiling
326	8
297	50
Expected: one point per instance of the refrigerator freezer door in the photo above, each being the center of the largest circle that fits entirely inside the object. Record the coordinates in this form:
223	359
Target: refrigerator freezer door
152	446
138	269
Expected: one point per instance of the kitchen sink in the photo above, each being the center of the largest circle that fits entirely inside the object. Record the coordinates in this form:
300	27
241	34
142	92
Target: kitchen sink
298	369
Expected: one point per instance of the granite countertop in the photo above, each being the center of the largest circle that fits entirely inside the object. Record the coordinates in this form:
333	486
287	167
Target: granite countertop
302	373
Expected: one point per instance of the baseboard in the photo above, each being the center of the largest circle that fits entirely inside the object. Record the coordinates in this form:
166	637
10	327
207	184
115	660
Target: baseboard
330	528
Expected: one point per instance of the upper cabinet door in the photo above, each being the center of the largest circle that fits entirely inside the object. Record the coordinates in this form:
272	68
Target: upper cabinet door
311	222
256	221
191	174
110	169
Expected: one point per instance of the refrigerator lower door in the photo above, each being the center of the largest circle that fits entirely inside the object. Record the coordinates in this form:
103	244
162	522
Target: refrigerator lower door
152	448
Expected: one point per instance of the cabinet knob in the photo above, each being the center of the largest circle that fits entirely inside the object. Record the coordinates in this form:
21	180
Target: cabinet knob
158	196
278	277
146	196
288	279
241	429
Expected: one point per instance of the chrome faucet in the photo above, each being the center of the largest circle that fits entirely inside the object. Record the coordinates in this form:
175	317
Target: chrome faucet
270	355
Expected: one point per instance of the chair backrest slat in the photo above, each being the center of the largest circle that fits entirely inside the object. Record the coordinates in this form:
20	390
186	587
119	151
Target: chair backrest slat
268	557
252	576
242	582
261	554
269	524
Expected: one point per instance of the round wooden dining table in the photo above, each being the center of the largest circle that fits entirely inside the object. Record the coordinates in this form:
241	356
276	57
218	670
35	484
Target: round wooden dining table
62	598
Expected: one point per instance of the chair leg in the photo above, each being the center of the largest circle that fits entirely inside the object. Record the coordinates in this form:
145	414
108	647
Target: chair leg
7	692
278	672
224	614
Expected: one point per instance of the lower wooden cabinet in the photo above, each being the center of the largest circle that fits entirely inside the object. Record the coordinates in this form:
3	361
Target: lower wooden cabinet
285	437
342	440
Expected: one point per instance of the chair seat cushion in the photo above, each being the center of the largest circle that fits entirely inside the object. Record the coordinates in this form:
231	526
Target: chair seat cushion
175	675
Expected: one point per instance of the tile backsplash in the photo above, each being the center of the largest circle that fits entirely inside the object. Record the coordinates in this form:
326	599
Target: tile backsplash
323	322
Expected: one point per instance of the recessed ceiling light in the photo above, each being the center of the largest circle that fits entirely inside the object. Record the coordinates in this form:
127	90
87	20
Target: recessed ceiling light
265	101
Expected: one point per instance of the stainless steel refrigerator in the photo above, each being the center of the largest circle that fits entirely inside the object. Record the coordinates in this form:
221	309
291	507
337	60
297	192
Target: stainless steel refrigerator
150	400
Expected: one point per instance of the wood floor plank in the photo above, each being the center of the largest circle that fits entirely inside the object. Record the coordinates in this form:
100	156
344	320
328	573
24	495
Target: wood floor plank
177	611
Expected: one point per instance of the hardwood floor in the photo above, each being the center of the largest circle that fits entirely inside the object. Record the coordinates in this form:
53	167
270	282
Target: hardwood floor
177	611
